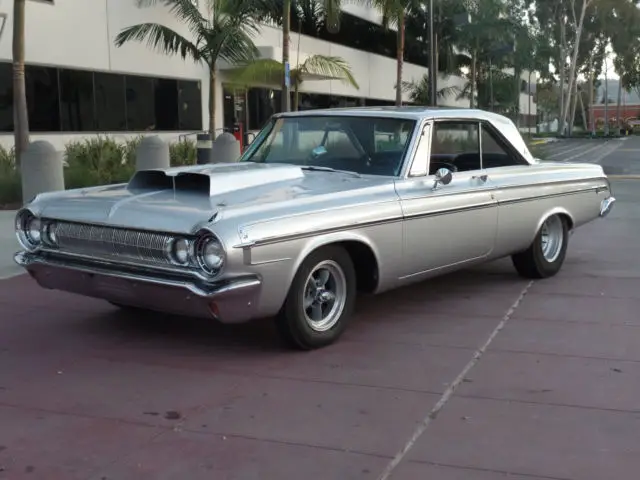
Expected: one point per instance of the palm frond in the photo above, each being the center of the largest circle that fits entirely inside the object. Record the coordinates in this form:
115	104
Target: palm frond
236	45
329	66
160	38
184	10
263	71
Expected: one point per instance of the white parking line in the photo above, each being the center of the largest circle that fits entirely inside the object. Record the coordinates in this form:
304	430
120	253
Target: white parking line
584	152
422	427
562	152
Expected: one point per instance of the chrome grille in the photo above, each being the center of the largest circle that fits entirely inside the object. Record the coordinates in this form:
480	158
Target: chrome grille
110	242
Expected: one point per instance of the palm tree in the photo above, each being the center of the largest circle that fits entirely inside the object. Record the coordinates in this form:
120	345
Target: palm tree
420	91
328	11
20	111
315	67
226	33
394	12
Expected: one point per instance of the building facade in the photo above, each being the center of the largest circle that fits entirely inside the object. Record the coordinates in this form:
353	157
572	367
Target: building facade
80	84
629	106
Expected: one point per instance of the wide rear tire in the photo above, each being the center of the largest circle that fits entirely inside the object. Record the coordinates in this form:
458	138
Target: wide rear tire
320	301
545	256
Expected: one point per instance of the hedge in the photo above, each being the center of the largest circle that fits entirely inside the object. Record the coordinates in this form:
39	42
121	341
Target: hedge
91	162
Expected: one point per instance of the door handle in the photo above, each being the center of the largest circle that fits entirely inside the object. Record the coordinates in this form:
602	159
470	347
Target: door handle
482	178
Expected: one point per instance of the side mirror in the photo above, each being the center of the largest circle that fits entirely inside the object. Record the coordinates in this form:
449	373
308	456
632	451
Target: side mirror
442	177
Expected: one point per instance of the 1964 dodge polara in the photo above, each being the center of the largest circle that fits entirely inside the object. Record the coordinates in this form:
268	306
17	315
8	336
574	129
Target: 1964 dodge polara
322	205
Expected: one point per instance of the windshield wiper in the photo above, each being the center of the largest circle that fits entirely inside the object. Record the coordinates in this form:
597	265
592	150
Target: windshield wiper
315	168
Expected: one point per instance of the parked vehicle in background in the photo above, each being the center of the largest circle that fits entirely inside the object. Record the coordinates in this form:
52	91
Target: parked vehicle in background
324	204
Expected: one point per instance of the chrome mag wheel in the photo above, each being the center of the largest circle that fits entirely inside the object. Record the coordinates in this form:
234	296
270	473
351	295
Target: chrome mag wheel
552	238
325	295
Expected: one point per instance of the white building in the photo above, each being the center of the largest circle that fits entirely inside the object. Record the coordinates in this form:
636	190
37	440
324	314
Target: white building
80	84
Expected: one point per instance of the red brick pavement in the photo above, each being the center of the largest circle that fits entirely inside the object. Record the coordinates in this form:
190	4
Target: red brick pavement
87	392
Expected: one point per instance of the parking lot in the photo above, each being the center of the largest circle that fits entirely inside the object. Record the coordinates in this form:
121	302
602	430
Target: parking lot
479	375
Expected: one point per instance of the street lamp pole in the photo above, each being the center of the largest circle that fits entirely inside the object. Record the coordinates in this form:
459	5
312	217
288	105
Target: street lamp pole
432	57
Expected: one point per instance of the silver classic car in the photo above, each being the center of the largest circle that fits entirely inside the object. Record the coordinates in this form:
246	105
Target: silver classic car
323	205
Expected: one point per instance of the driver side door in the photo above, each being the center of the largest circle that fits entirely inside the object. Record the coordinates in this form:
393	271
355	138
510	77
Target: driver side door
446	225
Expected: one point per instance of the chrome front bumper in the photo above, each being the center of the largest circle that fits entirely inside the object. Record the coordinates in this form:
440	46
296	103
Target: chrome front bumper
228	301
606	206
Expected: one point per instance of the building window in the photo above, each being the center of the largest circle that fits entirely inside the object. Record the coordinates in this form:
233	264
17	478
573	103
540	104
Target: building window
43	98
6	97
111	112
140	103
189	105
76	101
165	97
66	100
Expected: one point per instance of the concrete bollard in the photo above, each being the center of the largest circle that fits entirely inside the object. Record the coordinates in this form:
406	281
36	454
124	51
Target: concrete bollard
203	148
226	149
152	152
41	170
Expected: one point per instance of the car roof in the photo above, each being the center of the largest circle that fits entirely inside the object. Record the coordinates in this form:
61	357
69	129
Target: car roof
416	112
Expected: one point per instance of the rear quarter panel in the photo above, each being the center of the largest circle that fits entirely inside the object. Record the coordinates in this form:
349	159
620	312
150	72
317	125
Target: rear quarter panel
527	195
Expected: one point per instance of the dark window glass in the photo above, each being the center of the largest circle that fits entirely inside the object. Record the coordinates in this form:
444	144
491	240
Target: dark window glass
140	103
494	151
263	103
110	102
166	104
76	101
363	35
43	99
190	105
6	97
455	143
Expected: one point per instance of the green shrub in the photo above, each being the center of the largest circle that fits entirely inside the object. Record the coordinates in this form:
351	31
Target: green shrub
91	162
10	183
99	161
182	152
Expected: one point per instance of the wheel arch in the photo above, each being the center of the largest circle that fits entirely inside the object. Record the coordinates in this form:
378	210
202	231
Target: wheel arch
361	250
562	212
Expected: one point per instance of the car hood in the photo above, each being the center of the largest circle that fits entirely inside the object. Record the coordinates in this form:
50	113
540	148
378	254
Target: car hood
182	199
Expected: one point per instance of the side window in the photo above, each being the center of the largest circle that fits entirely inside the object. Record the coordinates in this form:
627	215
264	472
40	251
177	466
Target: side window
455	143
494	155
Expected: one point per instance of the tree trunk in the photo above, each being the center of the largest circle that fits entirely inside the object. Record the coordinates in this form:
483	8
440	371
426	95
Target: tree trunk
574	106
584	114
591	115
399	59
474	56
212	101
574	58
561	62
20	110
619	123
296	96
286	30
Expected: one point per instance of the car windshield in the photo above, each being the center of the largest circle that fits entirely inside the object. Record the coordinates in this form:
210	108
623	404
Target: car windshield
364	145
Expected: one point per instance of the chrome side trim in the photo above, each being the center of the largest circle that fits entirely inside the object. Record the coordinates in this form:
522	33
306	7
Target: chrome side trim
300	235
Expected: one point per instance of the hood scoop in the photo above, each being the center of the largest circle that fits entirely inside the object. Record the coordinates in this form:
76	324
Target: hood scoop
213	179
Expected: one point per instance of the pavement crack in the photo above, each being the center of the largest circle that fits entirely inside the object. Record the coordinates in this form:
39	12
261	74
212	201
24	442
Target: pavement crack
434	412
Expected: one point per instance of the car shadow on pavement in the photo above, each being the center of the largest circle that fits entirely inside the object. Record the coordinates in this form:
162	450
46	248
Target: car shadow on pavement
453	294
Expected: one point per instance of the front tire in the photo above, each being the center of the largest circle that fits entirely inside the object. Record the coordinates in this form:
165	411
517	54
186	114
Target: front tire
546	254
320	301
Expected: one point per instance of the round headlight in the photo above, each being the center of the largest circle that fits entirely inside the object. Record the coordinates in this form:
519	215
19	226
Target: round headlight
28	230
181	251
210	254
33	230
49	234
